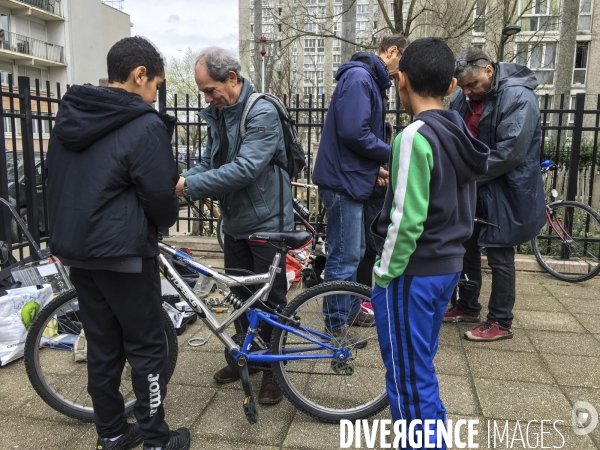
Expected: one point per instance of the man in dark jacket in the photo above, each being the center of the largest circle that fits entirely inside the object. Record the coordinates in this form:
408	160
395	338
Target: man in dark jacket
500	108
111	185
348	166
254	193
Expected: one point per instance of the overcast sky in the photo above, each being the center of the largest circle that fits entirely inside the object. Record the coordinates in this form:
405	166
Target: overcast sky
176	25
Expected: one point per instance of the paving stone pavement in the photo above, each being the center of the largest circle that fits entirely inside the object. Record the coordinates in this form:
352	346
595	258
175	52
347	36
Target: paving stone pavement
510	386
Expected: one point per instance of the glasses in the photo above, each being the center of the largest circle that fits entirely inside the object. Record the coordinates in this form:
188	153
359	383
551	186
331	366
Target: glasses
466	62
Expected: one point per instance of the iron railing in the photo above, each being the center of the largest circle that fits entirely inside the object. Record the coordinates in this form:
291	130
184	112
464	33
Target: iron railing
53	6
31	46
569	136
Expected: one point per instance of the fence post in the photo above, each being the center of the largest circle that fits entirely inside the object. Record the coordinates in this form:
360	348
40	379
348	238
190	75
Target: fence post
162	98
5	232
29	160
576	147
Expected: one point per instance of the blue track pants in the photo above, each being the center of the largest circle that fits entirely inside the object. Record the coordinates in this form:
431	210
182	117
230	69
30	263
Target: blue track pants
408	315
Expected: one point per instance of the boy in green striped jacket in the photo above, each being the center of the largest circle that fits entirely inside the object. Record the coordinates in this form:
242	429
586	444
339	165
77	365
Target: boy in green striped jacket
428	213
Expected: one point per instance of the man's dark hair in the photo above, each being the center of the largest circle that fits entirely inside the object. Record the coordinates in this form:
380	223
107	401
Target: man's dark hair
132	52
429	65
393	39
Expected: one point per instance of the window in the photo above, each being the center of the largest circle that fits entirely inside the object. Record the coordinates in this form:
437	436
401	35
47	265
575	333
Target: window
581	62
7	122
337	45
375	11
337	10
316	11
295	47
546	102
251	48
309	63
314	45
584	23
35	125
267	31
540	58
361	26
479	19
315	2
267	15
252	15
311	28
541	16
337	59
337	29
362	12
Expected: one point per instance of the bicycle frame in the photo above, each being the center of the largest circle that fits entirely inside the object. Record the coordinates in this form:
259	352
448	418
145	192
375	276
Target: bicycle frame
254	315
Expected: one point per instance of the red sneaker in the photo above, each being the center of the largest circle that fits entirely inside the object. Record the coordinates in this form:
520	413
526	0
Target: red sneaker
454	314
489	331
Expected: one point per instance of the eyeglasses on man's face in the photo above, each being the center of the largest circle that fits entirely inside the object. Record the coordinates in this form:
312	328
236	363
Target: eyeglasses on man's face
466	62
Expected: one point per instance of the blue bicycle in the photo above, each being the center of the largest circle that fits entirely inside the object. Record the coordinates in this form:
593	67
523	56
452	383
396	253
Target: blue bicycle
330	378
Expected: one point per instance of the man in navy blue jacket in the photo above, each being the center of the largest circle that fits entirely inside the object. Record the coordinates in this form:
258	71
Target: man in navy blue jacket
348	167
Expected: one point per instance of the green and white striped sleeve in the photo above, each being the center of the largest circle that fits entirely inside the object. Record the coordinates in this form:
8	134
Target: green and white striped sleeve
410	174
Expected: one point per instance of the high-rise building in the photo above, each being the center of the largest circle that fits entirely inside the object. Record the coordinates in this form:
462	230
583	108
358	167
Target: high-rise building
64	41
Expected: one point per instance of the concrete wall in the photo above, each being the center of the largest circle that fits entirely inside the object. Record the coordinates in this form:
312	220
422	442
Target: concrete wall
92	29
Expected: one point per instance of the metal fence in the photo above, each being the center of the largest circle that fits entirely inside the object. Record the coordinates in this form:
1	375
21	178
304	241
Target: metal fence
570	137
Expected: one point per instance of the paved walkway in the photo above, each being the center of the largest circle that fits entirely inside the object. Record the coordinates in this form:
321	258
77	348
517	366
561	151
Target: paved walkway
552	362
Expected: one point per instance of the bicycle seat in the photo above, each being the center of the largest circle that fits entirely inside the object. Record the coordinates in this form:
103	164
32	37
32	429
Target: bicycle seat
288	239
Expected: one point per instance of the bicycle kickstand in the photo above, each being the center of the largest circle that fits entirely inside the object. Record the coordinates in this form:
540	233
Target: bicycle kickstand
249	405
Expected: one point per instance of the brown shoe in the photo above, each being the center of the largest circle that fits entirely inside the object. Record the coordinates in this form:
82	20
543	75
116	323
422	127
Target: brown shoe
363	319
346	337
269	393
228	375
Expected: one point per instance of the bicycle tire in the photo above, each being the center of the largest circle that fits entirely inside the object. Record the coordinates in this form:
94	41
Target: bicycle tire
53	373
360	393
220	233
577	259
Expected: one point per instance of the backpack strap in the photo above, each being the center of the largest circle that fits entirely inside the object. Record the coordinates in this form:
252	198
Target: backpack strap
250	102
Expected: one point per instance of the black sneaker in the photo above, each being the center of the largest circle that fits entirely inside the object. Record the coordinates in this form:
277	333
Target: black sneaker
130	439
178	440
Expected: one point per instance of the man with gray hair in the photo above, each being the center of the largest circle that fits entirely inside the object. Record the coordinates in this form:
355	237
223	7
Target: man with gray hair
245	176
501	110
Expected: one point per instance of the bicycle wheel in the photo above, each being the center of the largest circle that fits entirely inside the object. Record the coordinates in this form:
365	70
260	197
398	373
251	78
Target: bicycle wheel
57	378
220	233
568	247
327	389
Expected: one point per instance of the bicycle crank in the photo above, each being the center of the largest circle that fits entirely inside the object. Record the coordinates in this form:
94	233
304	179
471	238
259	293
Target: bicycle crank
249	405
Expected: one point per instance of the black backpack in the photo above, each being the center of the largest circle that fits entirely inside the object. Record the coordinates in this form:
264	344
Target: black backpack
293	149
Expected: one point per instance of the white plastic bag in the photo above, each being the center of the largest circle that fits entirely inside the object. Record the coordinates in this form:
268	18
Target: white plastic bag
18	310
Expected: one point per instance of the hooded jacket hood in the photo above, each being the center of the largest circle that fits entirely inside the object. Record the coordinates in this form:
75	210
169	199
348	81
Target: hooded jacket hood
511	74
467	155
370	62
89	113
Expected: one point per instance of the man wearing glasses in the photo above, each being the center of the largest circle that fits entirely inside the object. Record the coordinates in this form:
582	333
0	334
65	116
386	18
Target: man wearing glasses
500	108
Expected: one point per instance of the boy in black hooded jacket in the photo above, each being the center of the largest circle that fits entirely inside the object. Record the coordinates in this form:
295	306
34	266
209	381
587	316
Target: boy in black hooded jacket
111	185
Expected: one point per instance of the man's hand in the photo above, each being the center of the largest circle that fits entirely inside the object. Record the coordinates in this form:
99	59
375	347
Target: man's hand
179	187
383	177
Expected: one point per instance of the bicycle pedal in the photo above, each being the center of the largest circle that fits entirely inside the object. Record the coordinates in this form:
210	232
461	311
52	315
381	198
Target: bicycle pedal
250	410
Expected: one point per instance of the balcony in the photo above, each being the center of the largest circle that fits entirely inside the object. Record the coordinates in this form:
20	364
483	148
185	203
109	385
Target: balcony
17	45
42	9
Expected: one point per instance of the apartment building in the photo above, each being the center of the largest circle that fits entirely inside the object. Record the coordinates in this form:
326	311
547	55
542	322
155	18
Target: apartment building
60	41
63	41
558	40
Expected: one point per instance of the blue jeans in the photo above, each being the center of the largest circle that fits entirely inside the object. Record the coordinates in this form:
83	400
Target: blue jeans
346	247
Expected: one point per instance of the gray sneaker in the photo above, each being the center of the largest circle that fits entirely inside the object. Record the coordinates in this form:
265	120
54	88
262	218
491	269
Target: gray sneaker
362	319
